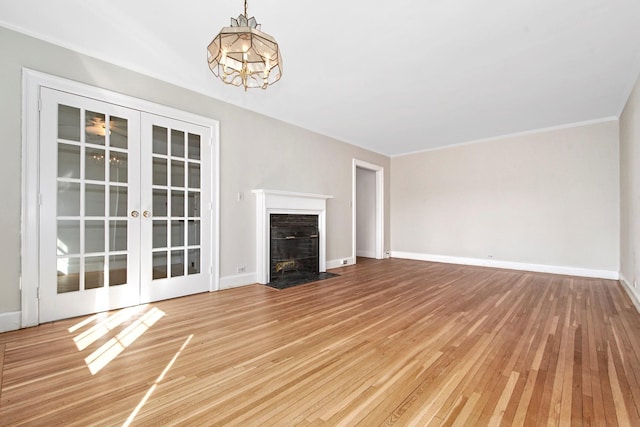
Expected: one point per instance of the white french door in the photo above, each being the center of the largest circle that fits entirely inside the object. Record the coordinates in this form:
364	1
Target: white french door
176	206
125	207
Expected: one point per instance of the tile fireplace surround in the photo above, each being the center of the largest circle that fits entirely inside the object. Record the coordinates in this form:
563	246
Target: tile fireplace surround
284	202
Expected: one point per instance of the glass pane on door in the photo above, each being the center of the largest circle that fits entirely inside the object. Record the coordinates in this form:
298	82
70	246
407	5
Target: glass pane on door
117	270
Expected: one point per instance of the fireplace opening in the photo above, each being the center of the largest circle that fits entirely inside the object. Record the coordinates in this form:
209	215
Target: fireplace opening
294	254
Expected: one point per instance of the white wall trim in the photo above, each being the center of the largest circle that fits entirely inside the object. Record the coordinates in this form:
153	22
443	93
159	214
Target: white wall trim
514	135
215	212
379	170
29	219
632	295
236	281
510	265
337	263
10	321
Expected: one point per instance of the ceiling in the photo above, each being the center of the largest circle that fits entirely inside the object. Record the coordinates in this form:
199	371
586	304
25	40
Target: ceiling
394	77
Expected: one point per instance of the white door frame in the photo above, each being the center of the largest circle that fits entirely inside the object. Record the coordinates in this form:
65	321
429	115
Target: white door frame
379	170
32	81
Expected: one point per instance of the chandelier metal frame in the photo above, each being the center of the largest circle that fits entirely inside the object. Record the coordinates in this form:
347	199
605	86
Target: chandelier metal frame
242	55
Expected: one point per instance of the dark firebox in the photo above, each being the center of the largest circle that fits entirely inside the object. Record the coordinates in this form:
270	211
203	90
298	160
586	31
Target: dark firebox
294	249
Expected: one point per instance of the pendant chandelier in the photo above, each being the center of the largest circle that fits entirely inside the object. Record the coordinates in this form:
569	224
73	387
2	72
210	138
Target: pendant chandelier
242	55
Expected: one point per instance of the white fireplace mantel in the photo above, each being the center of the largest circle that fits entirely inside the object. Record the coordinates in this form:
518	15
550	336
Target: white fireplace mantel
284	202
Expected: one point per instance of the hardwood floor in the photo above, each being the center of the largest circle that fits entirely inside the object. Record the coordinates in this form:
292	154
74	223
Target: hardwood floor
388	342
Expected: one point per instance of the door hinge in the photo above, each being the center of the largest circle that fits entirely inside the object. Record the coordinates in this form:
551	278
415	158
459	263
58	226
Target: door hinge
38	292
39	104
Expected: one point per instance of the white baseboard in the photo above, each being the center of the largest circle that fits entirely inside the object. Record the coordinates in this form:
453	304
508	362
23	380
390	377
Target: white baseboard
510	265
237	281
632	295
10	321
337	263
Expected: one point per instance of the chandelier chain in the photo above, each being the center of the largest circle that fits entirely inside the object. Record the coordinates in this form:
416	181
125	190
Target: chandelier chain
245	9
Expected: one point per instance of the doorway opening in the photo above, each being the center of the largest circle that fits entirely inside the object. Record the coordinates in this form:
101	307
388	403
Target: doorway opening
367	210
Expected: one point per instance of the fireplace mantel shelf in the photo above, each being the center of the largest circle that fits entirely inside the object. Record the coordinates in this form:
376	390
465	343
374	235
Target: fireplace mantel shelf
283	202
292	194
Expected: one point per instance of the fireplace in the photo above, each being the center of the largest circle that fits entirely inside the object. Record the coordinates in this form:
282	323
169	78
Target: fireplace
289	210
294	247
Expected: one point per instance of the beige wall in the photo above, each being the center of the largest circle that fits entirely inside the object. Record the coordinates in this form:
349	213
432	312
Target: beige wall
549	198
256	152
630	192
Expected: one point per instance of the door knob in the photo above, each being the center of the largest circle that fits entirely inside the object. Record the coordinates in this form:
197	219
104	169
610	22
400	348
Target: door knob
146	214
135	214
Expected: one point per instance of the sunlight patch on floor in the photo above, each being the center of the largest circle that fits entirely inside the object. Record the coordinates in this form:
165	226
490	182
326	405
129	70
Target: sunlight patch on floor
99	330
111	349
153	387
82	324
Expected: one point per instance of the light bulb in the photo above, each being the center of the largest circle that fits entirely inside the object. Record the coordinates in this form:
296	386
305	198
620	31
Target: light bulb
267	68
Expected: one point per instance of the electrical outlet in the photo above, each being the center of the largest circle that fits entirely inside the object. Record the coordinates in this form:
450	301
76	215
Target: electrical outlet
489	256
344	262
240	196
241	269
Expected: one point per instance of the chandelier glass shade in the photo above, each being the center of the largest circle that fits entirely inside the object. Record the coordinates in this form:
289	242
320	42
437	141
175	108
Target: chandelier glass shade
242	55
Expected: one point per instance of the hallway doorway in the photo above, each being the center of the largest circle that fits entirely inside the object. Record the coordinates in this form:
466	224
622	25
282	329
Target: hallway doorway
368	210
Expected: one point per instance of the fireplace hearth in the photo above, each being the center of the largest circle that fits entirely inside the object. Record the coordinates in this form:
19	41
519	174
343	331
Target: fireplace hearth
295	279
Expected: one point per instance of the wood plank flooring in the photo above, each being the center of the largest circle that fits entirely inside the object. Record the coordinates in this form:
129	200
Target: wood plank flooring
390	342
